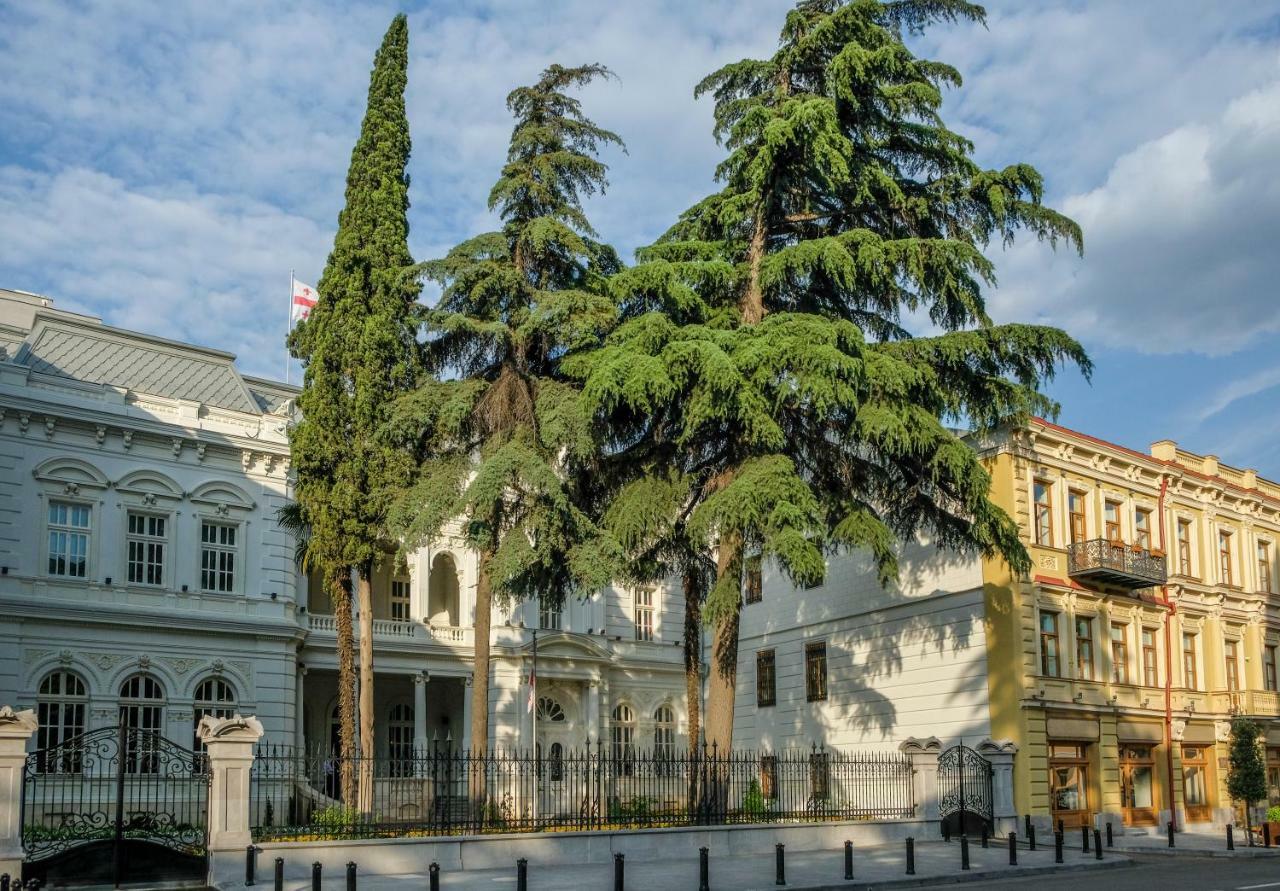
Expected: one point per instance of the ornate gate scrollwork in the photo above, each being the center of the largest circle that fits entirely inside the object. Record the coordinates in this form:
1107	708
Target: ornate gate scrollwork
964	787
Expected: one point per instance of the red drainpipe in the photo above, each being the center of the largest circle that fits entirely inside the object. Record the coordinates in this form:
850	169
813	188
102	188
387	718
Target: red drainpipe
1168	661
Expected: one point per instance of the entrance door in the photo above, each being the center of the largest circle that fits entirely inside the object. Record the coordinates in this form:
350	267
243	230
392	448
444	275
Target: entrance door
1137	786
1195	783
1069	784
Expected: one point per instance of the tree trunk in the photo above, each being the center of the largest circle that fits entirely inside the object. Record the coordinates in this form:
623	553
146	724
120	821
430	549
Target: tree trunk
480	685
367	748
751	306
339	582
693	657
724	658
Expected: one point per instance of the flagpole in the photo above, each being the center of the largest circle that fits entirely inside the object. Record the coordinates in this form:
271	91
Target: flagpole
288	323
533	699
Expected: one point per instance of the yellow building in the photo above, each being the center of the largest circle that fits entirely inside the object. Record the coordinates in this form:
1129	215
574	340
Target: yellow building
1149	620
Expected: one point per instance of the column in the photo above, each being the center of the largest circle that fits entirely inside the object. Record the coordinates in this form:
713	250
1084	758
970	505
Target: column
299	719
1004	813
1109	773
229	743
420	711
15	729
924	763
593	710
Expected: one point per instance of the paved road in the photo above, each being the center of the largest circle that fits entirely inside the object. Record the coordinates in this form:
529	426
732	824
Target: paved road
1163	873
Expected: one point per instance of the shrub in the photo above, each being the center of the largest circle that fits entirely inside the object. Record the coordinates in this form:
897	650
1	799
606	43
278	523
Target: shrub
335	816
753	803
1273	814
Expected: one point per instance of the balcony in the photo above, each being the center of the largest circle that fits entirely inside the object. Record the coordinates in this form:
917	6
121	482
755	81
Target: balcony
1115	564
396	630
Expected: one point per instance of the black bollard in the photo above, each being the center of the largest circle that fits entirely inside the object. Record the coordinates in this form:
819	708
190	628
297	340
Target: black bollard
911	856
522	874
1097	845
433	873
1013	849
1057	847
1231	842
1061	829
4	882
848	861
618	880
315	875
946	831
1171	833
278	882
984	835
1084	834
964	852
351	875
704	869
1110	841
780	867
250	864
1266	835
1026	824
1031	838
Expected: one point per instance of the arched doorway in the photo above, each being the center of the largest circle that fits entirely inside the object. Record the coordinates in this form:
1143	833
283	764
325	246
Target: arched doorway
442	591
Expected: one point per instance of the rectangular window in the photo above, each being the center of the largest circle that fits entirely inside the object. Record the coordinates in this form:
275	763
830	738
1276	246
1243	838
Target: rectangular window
752	580
1044	512
1184	547
218	557
766	679
1150	670
1264	567
1111	516
400	600
815	671
1142	528
1189	676
1120	654
644	614
145	545
1231	660
1224	557
1075	508
1084	648
1269	668
69	532
1049	644
549	616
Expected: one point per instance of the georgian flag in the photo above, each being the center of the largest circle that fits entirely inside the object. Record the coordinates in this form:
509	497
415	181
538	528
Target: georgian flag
303	299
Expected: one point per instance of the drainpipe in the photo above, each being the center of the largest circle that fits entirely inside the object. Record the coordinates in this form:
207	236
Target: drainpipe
1168	659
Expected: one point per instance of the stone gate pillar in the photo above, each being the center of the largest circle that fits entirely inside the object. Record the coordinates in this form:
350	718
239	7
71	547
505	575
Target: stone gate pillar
229	743
15	730
1004	814
924	762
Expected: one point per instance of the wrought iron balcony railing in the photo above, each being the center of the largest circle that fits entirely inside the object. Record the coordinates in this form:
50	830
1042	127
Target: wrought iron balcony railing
1114	563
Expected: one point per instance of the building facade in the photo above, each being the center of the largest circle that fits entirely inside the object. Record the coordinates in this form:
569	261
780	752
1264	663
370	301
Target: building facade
144	577
1149	621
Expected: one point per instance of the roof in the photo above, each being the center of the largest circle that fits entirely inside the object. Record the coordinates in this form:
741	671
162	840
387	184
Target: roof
79	347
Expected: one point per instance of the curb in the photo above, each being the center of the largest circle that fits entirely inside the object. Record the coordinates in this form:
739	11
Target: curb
1223	854
991	875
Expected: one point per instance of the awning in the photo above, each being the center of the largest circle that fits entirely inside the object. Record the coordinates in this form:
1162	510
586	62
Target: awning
1137	731
1071	729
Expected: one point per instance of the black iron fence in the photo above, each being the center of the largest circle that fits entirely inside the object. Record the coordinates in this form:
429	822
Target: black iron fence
305	795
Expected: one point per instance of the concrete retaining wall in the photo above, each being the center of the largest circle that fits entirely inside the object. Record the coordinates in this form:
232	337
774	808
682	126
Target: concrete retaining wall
398	856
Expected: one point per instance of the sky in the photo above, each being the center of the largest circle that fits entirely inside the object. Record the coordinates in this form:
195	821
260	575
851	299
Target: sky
166	165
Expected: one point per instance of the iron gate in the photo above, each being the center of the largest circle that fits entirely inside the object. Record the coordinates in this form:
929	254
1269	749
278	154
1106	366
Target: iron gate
118	805
964	789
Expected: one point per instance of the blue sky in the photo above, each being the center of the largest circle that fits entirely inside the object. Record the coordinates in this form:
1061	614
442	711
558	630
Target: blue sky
165	165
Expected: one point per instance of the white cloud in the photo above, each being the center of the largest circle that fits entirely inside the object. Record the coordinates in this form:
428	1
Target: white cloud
1236	390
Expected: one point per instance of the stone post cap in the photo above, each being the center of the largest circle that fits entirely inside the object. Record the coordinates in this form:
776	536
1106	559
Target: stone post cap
990	747
917	746
17	725
233	729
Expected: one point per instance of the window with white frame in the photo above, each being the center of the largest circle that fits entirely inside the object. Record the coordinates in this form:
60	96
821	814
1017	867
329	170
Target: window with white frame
664	732
215	698
142	714
400	740
145	545
644	614
623	734
60	708
69	535
218	556
549	615
400	600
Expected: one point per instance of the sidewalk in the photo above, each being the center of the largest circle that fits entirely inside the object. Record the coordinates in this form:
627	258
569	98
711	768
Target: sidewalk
805	871
1198	844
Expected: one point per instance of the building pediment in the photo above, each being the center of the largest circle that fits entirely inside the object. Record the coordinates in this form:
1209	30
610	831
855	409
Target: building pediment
71	473
564	644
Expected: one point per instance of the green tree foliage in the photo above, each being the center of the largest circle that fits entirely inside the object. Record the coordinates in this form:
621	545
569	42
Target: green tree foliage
1247	770
499	437
359	352
766	354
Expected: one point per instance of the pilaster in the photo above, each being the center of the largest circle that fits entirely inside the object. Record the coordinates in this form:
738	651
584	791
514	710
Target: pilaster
924	764
16	729
229	743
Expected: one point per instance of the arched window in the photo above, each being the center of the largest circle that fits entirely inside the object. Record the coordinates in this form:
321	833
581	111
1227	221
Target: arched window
624	735
215	698
400	741
549	709
664	732
442	591
60	707
142	712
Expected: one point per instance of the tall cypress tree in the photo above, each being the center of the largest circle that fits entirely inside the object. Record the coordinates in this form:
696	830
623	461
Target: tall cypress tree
501	443
769	360
360	353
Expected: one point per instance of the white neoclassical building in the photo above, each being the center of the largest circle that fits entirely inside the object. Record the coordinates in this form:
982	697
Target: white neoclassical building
143	575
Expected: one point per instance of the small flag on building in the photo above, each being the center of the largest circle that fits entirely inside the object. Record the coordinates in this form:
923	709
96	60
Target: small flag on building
301	302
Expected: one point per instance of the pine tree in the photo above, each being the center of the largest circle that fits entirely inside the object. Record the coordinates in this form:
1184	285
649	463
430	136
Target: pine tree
768	357
359	352
1247	774
502	445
